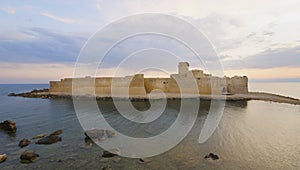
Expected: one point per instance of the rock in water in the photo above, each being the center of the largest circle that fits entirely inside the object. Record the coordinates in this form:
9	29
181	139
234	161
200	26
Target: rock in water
49	140
107	154
110	133
9	126
58	132
211	156
95	134
28	156
24	142
107	167
39	136
144	160
3	158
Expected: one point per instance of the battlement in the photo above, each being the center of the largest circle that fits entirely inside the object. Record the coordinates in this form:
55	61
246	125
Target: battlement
138	85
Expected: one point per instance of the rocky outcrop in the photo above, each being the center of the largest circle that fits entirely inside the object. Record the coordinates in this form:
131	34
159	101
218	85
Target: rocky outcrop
28	156
52	138
24	142
39	136
3	158
33	93
8	126
49	140
42	93
58	132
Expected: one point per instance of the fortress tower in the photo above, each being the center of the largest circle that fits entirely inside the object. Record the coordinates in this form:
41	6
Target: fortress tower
183	68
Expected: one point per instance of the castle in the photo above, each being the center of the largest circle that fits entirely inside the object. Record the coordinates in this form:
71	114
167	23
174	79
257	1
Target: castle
138	85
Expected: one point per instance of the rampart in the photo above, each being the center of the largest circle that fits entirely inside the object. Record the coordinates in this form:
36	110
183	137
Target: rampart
138	85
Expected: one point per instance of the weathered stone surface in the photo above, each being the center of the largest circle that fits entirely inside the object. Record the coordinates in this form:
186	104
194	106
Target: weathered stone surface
95	134
110	133
28	156
3	158
9	126
24	142
58	132
211	156
39	136
49	140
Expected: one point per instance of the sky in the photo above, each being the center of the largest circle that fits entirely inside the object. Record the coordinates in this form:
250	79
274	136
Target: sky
41	40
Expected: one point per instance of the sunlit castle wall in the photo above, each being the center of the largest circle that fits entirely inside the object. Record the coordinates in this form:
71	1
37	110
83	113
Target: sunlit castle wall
104	86
183	82
237	84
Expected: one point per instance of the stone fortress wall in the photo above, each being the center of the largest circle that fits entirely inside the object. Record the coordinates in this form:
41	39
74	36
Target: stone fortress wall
138	85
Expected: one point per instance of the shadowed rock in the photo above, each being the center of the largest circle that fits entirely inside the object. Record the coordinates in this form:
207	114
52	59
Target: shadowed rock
28	156
24	142
49	140
3	158
8	126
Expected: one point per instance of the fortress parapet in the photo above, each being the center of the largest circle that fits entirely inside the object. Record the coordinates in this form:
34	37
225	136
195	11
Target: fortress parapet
138	85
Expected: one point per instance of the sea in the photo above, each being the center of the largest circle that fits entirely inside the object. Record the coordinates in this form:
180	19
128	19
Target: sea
251	134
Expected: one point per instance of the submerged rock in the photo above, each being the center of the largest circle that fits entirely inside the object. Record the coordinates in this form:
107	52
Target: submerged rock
211	156
49	140
144	160
95	134
107	154
39	136
28	156
24	142
58	132
107	167
3	158
110	133
9	126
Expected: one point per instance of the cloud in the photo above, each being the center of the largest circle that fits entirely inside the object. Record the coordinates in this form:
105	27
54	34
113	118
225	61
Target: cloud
272	58
99	5
8	10
266	73
60	19
40	45
268	33
33	73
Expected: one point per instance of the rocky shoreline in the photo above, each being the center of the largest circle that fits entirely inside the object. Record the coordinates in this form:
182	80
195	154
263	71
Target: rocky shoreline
45	94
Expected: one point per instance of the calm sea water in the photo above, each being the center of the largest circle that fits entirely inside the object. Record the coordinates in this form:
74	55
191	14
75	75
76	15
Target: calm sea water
251	135
291	89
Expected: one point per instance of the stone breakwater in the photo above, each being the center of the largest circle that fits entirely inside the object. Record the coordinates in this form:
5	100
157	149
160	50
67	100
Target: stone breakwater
45	94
